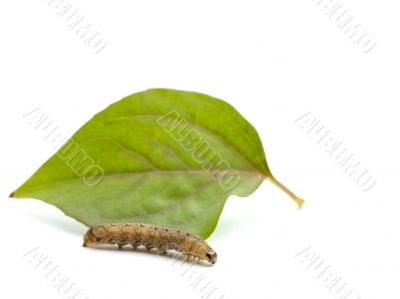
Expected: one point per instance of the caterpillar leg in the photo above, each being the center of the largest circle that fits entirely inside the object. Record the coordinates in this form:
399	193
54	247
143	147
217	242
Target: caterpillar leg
163	250
120	245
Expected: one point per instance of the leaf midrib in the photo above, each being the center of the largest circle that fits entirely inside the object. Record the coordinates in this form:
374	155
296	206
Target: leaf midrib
160	172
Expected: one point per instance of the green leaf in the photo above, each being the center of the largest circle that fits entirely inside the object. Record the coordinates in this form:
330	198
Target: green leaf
161	156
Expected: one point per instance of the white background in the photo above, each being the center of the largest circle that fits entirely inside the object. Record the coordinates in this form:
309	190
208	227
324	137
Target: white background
274	61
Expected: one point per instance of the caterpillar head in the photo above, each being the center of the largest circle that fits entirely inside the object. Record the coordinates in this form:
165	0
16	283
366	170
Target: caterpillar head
211	256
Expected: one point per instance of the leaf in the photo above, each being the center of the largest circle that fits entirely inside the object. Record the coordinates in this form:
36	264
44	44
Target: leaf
161	156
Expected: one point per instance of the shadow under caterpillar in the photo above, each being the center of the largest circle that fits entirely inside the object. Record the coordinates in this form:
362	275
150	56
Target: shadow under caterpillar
150	236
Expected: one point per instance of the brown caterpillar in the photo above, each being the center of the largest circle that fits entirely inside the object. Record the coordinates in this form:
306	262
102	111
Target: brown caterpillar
150	236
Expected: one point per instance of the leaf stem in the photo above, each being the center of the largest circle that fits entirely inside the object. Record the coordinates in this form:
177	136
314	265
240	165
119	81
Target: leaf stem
297	199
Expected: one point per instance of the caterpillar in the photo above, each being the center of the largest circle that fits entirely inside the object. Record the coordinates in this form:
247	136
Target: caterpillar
150	236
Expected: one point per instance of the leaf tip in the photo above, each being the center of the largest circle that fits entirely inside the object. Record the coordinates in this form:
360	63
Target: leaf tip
11	195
